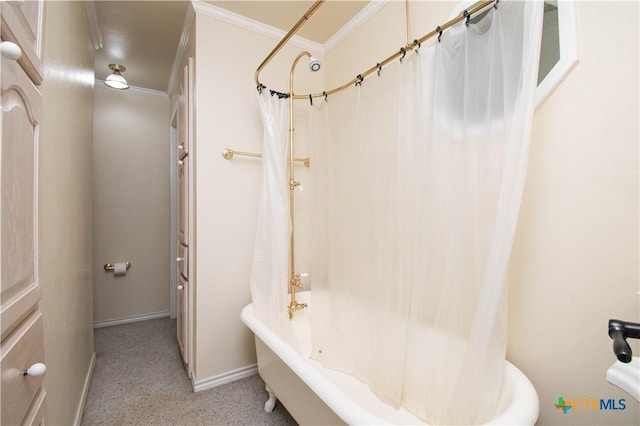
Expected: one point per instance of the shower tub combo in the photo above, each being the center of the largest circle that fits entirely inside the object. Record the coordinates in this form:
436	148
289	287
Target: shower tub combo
314	394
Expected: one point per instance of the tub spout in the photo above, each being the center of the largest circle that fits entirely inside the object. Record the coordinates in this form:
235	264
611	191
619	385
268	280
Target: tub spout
295	284
619	331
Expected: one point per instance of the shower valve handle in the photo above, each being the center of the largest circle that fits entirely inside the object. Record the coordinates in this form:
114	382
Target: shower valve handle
619	331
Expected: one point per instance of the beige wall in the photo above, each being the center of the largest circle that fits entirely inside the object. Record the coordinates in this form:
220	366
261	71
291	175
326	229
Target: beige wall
227	191
380	37
575	259
131	202
65	219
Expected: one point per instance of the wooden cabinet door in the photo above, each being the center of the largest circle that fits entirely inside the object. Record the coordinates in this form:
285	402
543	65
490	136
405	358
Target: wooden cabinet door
184	191
184	147
22	24
23	398
21	114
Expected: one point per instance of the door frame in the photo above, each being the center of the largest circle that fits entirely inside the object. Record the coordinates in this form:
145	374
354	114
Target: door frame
173	214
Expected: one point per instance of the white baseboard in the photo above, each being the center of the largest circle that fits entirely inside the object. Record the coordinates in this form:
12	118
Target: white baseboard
134	318
85	391
228	377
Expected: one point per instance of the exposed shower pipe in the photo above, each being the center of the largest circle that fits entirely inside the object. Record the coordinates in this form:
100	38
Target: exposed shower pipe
295	279
408	19
286	38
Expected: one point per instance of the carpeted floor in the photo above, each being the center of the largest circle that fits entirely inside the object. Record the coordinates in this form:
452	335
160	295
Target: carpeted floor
139	380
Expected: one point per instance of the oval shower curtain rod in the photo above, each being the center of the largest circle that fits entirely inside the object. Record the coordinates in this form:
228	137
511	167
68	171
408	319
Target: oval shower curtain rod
464	15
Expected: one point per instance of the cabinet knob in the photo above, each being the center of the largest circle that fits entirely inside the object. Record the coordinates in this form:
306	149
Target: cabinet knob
10	50
36	370
180	162
179	259
181	147
180	287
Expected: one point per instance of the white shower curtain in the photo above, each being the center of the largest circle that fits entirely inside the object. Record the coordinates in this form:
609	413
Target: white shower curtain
417	180
270	271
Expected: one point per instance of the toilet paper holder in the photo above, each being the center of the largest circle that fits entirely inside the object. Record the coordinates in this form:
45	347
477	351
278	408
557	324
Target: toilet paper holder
110	266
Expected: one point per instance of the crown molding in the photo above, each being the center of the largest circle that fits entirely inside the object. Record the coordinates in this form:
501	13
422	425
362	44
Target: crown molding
206	9
133	89
253	25
359	19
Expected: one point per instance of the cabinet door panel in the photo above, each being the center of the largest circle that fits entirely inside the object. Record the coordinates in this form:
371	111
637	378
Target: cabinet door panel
183	315
183	201
183	121
183	266
35	415
20	351
21	110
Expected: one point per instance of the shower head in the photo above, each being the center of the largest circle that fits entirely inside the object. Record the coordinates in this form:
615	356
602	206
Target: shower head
314	64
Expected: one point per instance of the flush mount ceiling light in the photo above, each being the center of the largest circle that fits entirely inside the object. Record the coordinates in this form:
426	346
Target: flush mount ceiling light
115	80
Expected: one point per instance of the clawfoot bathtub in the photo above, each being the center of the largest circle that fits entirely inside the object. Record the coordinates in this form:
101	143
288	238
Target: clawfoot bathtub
316	395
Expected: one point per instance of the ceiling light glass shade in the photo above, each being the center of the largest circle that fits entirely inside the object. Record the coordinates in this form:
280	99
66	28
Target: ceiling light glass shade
116	81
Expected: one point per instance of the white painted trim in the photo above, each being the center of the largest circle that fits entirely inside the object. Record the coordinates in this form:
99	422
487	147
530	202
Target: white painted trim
182	47
224	378
228	17
568	34
145	91
173	213
190	93
85	391
359	19
133	318
133	89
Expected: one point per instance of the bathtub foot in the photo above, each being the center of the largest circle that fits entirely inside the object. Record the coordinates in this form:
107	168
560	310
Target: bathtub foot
271	402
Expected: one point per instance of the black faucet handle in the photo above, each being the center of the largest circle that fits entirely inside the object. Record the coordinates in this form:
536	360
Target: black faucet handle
620	346
619	331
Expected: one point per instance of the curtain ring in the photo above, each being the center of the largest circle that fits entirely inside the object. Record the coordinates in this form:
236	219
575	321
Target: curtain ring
325	96
468	15
280	95
360	79
415	43
404	52
439	30
260	87
310	99
379	68
495	5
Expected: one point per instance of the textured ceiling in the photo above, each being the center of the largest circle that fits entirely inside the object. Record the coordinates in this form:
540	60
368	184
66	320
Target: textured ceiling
144	35
141	35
